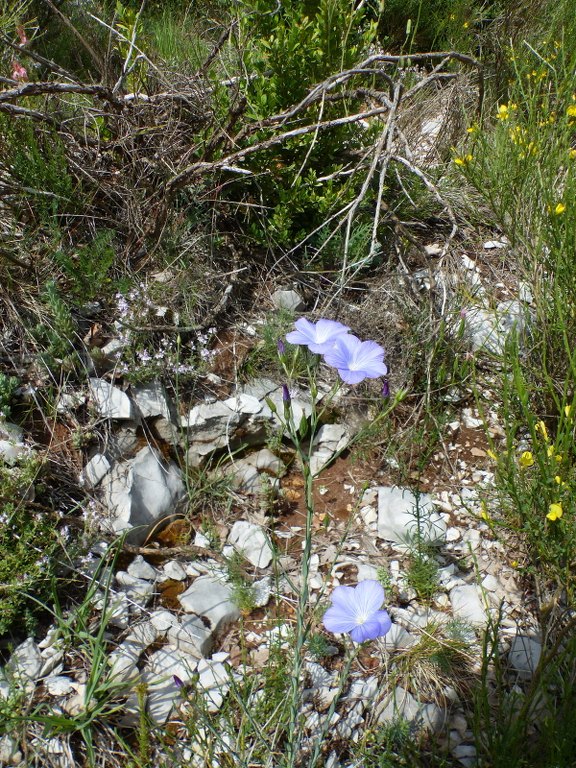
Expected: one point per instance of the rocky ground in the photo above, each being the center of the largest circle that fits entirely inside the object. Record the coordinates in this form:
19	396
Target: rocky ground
184	605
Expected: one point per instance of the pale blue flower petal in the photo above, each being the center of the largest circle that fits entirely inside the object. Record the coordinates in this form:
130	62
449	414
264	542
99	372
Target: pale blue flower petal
369	596
318	337
345	598
356	611
338	621
370	630
385	622
356	360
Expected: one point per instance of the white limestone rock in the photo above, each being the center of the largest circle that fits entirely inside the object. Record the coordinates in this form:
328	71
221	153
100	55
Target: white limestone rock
253	473
25	662
401	704
140	492
94	470
211	599
288	299
251	541
109	401
158	676
152	400
141	569
467	605
524	655
397	516
214	680
191	636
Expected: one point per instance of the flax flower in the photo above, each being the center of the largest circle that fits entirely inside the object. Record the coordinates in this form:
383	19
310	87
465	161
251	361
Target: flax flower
357	612
356	360
318	337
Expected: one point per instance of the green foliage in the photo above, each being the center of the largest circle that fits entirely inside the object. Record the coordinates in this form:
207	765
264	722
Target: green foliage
242	589
422	575
28	546
387	746
319	646
298	44
286	51
173	34
8	387
36	163
59	333
88	267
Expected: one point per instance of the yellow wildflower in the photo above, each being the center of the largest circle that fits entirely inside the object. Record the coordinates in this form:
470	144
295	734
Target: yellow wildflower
553	455
472	128
466	24
567	408
560	208
461	161
554	512
526	460
491	455
572	153
560	482
484	512
571	110
504	110
541	428
514	563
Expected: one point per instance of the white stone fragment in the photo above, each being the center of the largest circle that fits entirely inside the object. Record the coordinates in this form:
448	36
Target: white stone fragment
288	299
152	400
401	704
214	680
397	516
58	685
251	541
109	401
467	605
158	676
25	662
524	655
142	569
140	492
212	599
191	636
94	470
174	570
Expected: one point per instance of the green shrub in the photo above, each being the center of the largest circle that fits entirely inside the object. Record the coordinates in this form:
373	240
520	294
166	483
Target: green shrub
28	545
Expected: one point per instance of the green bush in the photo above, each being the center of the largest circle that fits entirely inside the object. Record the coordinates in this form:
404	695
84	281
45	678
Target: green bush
28	546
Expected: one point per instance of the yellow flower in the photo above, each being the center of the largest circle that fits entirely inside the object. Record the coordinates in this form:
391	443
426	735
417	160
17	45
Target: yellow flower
472	128
553	455
504	110
490	453
567	408
514	563
572	153
526	460
484	512
571	110
466	24
554	512
541	428
560	208
560	482
463	160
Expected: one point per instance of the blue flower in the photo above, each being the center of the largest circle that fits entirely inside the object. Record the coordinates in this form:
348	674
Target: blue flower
356	610
318	337
356	360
